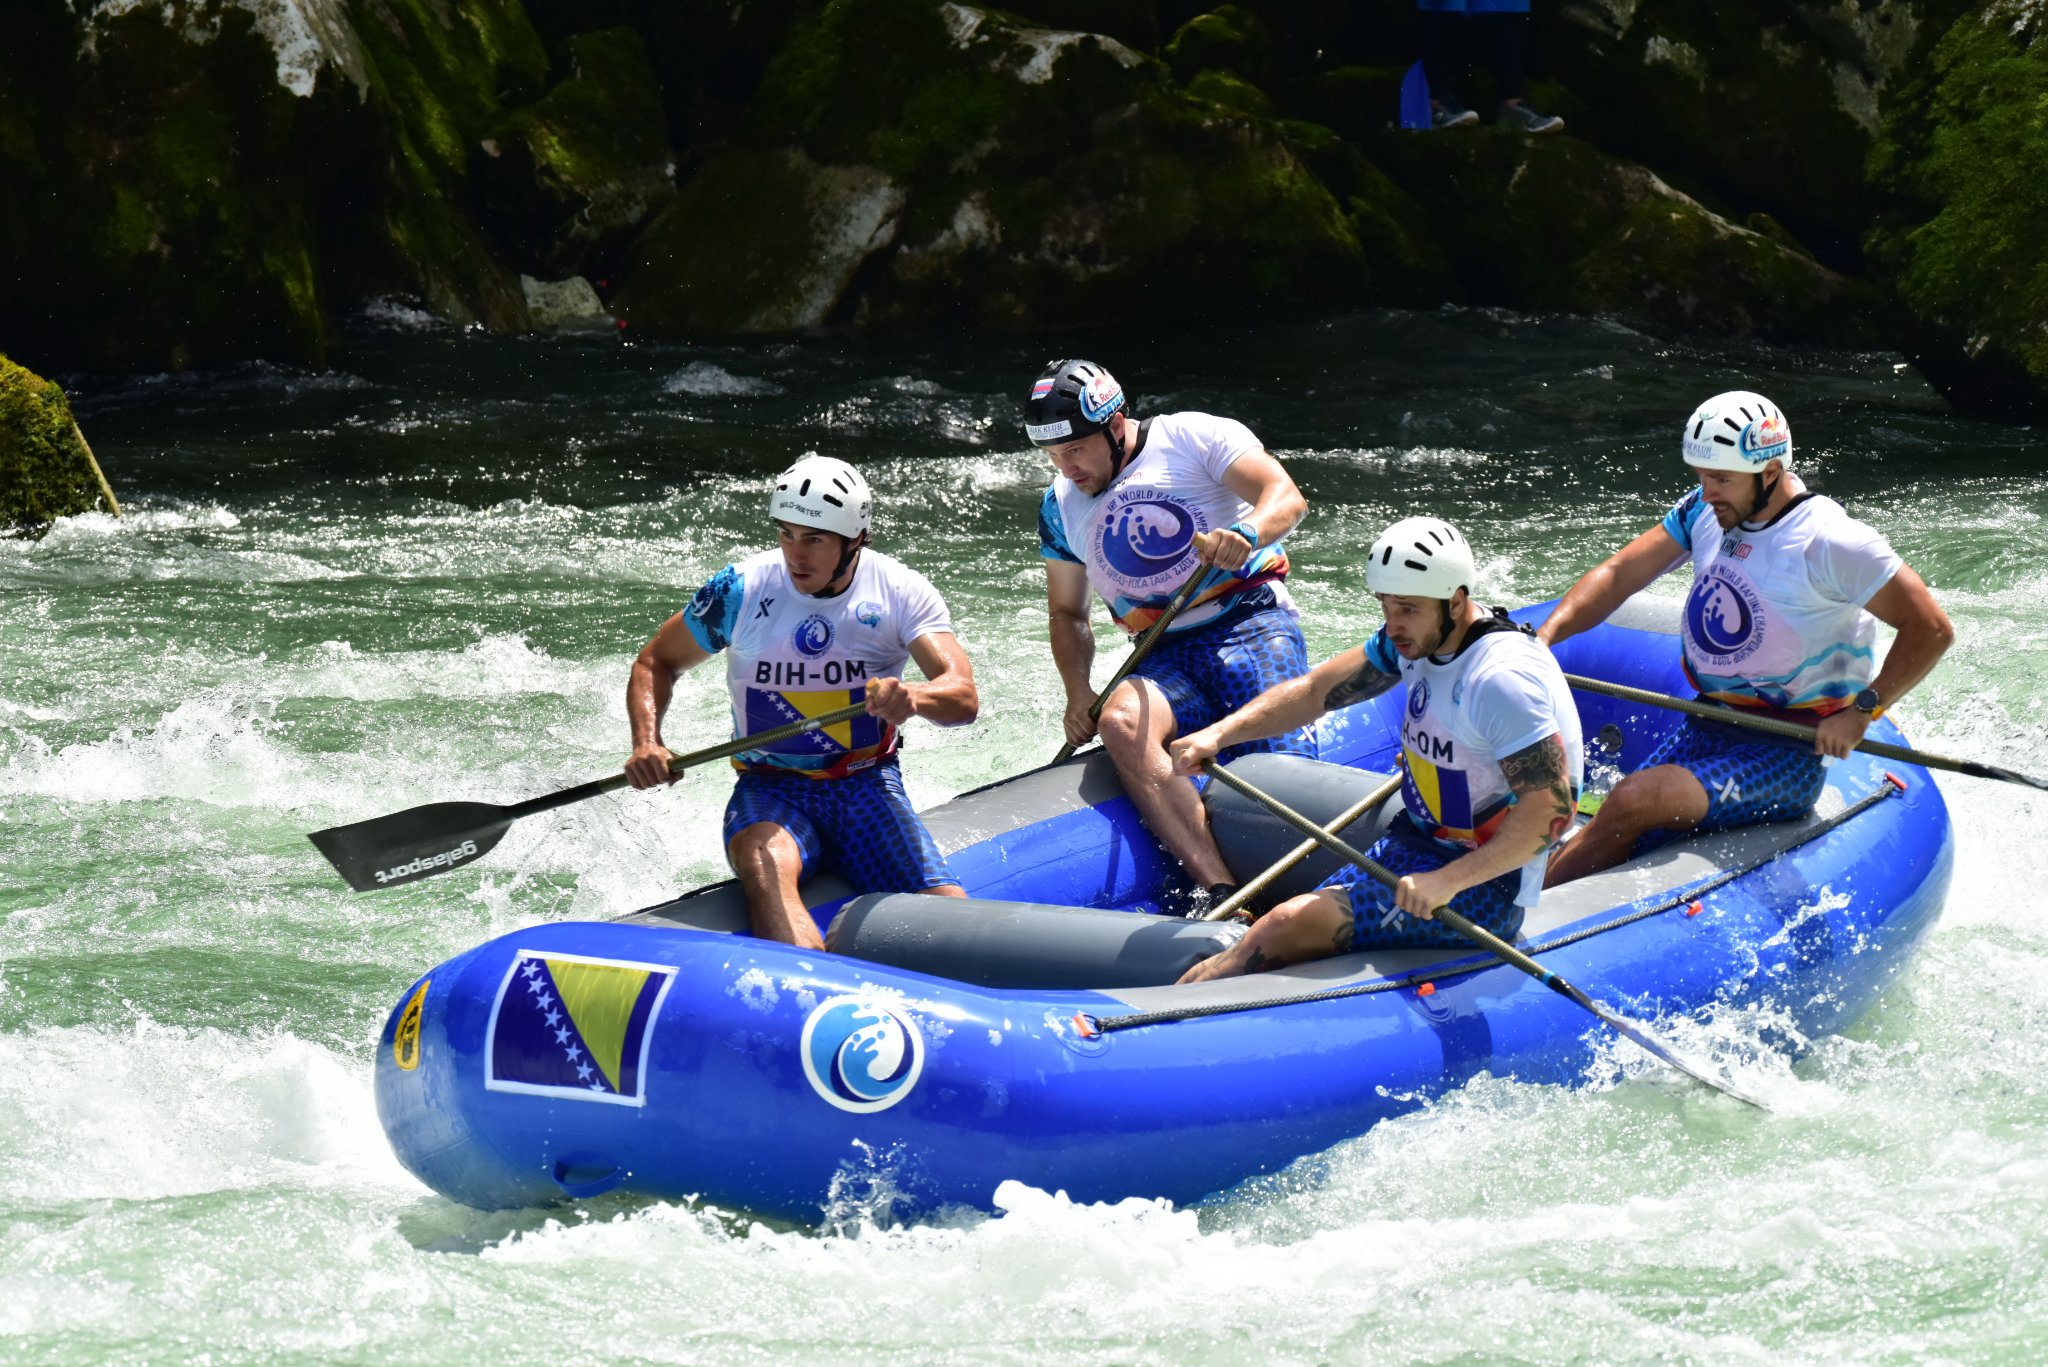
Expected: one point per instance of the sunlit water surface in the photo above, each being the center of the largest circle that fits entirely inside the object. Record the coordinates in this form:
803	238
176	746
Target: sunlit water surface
421	576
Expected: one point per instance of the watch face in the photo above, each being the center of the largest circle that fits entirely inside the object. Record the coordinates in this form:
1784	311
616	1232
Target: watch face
1866	701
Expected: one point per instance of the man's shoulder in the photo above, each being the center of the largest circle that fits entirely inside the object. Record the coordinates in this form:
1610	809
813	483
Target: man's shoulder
895	573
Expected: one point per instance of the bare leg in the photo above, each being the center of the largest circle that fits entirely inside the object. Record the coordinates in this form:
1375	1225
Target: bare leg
1314	925
766	858
1666	798
1135	726
946	890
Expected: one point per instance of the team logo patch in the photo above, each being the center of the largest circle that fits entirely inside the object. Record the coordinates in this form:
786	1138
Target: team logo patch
1765	439
1723	619
1418	698
1146	541
1041	388
861	1054
813	636
574	1027
868	614
405	1040
1048	431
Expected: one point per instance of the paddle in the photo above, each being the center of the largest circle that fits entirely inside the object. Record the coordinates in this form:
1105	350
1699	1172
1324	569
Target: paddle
1229	905
1139	651
1480	936
420	842
1772	726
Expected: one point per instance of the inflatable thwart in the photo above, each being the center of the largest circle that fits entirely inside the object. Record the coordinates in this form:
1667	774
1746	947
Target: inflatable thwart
1035	1031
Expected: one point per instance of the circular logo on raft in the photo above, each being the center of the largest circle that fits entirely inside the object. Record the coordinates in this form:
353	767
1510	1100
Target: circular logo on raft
813	635
1723	618
1418	698
861	1054
1146	538
405	1040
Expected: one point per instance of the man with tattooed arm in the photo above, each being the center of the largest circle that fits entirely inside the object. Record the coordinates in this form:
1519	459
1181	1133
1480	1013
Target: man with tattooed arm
1490	744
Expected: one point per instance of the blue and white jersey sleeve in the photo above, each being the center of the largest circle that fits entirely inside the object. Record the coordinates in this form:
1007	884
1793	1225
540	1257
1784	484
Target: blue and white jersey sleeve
919	609
715	609
1513	707
1381	655
1679	520
1052	531
1851	562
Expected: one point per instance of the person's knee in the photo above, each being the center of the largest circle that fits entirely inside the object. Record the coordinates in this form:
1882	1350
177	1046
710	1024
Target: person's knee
1125	725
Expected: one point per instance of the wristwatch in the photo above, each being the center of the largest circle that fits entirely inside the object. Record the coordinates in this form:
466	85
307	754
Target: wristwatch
1868	703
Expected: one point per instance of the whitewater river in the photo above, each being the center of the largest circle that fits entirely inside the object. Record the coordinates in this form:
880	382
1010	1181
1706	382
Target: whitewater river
421	576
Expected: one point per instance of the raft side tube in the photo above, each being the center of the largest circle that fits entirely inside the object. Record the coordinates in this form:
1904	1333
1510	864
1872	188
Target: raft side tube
1024	944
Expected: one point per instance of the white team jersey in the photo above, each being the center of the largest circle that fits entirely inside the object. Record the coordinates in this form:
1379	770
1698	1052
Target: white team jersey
1136	538
789	656
1498	696
1775	617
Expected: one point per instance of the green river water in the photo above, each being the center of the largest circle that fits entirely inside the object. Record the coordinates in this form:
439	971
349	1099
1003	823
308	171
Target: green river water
421	576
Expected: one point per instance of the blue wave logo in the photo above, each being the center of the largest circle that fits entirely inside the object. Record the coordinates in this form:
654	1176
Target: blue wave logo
868	614
1418	698
860	1054
1718	619
813	636
1147	537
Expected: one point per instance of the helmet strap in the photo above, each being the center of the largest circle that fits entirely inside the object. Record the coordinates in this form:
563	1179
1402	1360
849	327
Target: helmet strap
1764	494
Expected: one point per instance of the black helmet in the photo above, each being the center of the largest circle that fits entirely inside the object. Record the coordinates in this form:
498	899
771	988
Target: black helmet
1070	400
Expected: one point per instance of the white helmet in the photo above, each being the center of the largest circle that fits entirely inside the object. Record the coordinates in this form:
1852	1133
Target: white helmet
1420	557
822	492
1737	431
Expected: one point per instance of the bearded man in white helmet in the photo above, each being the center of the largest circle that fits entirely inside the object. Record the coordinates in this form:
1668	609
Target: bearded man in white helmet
816	625
1489	742
1787	593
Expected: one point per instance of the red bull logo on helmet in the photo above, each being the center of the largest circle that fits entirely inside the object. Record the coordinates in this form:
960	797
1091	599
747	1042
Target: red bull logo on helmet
1765	439
1100	397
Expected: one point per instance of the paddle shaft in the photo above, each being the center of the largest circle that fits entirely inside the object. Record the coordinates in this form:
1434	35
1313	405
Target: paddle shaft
1477	934
1243	895
1773	726
1139	651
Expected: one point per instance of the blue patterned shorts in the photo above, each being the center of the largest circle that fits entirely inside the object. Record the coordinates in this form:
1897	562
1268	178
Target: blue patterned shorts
1747	781
861	827
1376	923
1215	670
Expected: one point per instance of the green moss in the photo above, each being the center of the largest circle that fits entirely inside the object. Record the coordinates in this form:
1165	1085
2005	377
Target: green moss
1968	152
1230	92
1225	39
43	470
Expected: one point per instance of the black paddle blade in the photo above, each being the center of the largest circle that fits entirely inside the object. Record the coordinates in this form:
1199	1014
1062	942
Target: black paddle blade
407	846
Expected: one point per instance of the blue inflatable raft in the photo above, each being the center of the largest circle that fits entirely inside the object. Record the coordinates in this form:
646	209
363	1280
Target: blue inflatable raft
1035	1031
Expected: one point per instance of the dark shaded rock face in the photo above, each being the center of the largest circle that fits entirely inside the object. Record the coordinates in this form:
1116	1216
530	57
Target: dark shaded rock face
44	472
1551	223
974	170
1965	150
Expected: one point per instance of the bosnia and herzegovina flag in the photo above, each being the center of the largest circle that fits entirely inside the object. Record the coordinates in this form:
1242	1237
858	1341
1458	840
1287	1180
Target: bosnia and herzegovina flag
828	752
571	1026
1447	797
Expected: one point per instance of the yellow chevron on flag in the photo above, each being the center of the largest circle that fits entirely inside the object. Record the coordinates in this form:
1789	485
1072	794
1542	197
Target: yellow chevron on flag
1422	774
818	704
599	999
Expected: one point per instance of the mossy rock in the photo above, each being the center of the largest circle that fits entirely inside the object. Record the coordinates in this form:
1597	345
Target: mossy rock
1041	173
1225	39
45	473
1134	23
1966	153
563	183
1551	223
1766	106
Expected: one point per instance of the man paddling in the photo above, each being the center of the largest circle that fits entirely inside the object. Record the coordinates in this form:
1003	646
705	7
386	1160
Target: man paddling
1787	593
1135	509
1491	748
819	623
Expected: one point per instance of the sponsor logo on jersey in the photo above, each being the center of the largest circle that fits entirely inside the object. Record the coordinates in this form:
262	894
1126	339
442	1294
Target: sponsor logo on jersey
813	635
1146	540
861	1054
574	1027
1724	618
868	614
1418	698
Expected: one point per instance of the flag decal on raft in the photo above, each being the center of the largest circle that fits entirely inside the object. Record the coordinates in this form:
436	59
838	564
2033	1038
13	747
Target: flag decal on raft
575	1027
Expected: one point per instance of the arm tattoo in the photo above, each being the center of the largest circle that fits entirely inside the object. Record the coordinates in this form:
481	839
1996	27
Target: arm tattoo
1539	772
1369	682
